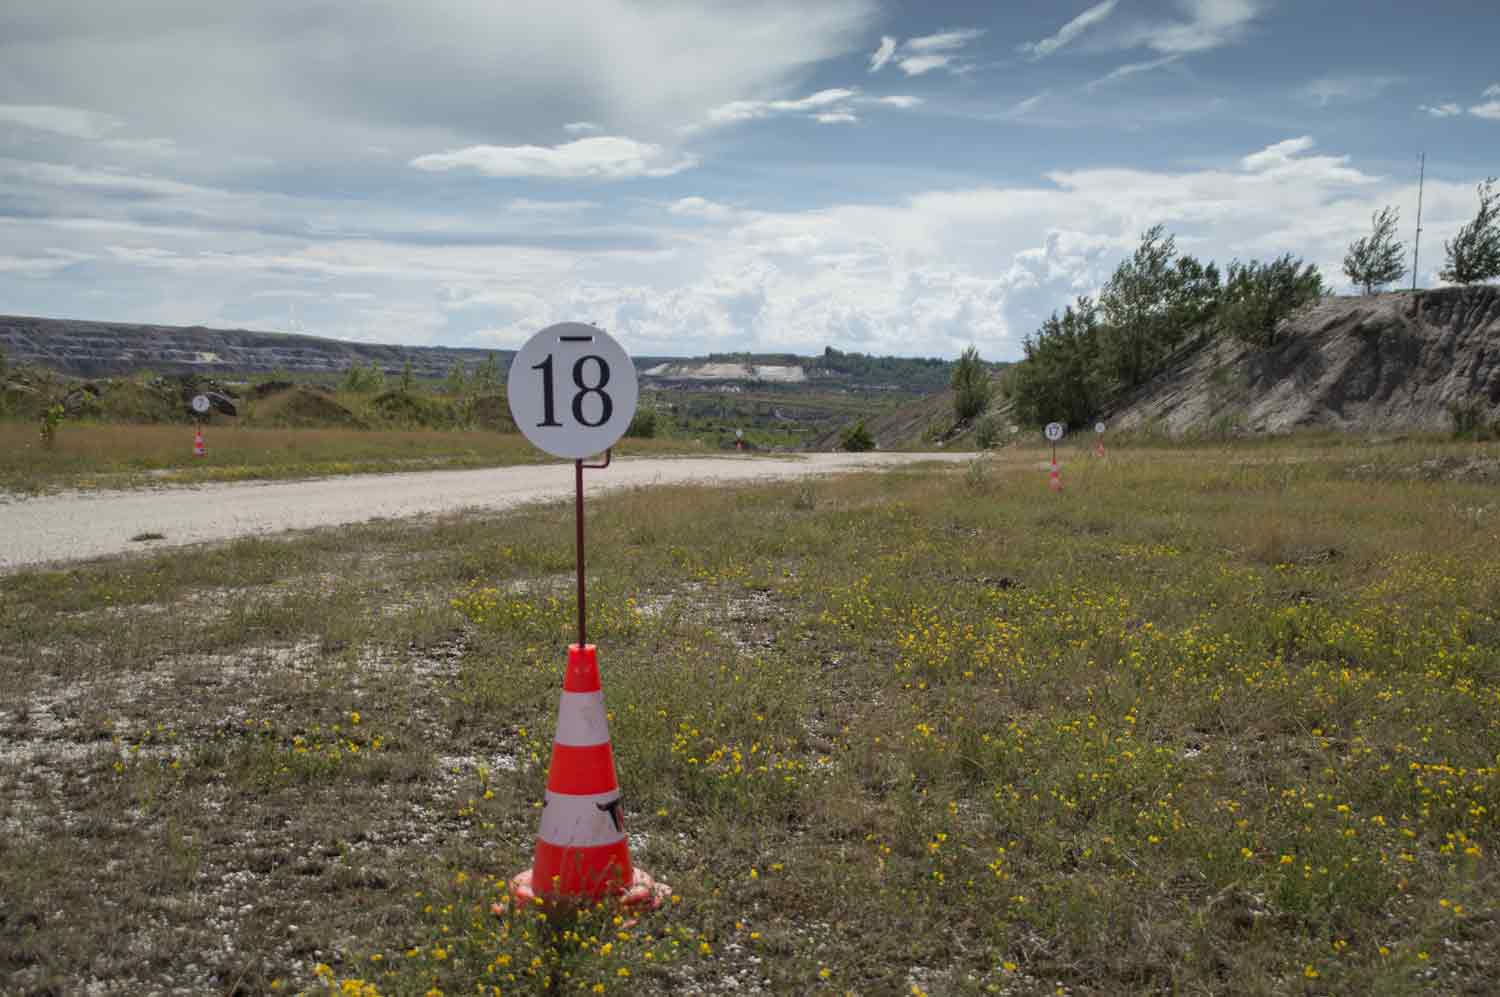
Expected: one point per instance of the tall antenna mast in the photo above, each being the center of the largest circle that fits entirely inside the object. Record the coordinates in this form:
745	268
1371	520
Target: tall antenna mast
1417	245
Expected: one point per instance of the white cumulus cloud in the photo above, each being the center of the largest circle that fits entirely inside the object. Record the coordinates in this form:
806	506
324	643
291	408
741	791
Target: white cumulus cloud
700	207
602	157
1441	110
882	55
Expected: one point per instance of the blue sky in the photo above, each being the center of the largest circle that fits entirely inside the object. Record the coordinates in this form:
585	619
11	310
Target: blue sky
768	175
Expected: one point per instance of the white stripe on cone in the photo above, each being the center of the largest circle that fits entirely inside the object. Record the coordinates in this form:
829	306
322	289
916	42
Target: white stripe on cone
581	821
580	720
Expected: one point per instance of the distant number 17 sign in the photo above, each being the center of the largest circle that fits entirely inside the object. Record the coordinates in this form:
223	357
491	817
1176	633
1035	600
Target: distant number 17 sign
572	390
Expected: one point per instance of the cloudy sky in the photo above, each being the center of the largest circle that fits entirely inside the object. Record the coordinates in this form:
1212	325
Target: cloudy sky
695	176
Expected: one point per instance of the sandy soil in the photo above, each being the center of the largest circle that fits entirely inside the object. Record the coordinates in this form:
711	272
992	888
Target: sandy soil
97	524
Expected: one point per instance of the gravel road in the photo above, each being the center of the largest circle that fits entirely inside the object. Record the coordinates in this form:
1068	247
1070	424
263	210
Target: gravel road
72	527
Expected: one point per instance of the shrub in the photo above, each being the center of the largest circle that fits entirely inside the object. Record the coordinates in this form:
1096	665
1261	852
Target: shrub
988	432
364	380
51	418
643	423
857	438
1468	420
938	429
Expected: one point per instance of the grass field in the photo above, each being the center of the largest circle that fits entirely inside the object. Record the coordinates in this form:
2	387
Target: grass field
105	455
1211	720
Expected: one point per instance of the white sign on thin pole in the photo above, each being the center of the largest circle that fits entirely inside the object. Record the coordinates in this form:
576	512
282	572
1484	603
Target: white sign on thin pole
572	390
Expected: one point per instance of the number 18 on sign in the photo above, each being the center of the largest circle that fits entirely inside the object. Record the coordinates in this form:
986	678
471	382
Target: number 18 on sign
572	390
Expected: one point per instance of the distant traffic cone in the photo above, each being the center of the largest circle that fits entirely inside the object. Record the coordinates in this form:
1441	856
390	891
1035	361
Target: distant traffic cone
581	851
1053	481
199	450
1099	448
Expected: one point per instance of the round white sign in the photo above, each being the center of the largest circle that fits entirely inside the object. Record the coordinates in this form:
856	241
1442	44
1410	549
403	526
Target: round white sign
1099	427
572	390
200	404
1054	431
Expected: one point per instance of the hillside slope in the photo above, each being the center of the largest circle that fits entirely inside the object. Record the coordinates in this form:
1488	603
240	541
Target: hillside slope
1384	362
100	349
924	423
104	349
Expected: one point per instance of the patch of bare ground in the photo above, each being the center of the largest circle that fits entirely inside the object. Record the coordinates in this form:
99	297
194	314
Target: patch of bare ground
229	776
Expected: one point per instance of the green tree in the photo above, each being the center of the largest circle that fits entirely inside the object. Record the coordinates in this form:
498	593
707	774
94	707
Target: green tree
1474	254
1061	378
1257	296
1150	305
1378	258
489	373
971	386
406	378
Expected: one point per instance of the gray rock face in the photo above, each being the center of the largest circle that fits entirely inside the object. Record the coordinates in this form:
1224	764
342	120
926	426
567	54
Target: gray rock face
102	349
1384	362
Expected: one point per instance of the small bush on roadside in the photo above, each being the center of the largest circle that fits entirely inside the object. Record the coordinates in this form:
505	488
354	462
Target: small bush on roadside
988	432
857	438
1469	422
938	429
643	424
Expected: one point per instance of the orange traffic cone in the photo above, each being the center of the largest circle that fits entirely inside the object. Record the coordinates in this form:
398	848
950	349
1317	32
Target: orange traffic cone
199	450
581	851
1053	481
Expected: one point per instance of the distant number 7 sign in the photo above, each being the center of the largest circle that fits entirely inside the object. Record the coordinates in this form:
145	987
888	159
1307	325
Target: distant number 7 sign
572	390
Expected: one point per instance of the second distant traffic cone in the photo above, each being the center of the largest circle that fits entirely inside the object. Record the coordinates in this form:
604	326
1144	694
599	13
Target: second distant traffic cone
1053	481
581	850
199	450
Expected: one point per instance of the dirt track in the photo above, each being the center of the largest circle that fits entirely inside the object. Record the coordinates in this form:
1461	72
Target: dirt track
97	524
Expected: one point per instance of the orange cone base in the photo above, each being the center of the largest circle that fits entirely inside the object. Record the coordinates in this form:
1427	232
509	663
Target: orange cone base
643	894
